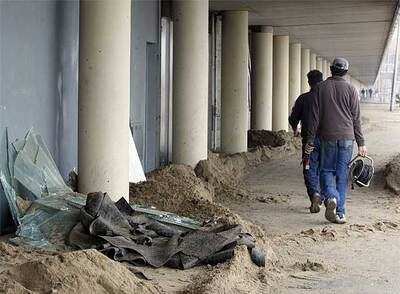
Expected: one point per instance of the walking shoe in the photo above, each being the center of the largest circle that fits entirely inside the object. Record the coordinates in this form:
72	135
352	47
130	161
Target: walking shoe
341	219
315	203
330	211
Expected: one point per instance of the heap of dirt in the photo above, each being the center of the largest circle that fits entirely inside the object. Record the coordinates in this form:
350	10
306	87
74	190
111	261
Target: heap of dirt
392	174
224	171
12	255
177	189
87	271
264	138
238	275
174	188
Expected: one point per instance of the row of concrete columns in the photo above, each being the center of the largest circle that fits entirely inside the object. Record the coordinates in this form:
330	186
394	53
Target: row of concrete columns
279	76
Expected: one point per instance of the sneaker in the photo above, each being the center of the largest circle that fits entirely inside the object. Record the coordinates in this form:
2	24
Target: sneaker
330	212
340	219
315	203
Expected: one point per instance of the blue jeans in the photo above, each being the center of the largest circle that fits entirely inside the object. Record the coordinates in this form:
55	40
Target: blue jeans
311	176
335	159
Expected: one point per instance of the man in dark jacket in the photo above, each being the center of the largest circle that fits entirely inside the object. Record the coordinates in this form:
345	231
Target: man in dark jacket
335	114
301	113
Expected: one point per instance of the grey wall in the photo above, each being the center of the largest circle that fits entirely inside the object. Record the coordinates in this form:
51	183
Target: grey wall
145	82
29	68
38	73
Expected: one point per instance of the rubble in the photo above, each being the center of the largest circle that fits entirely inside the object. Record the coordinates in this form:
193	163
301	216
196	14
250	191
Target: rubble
50	219
86	271
174	188
392	174
264	138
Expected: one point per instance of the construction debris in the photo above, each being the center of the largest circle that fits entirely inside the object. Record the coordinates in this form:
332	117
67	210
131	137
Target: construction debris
126	234
264	138
48	215
392	174
85	271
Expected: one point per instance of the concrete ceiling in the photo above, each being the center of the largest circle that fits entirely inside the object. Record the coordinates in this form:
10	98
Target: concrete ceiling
354	29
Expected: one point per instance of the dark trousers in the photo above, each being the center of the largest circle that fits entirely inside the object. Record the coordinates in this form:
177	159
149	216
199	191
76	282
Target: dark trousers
312	175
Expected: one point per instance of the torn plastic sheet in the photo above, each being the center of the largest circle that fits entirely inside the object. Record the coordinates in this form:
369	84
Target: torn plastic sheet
11	198
6	218
49	220
36	171
27	170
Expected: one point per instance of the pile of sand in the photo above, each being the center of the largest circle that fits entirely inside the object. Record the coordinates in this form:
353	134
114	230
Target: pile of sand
87	271
238	275
224	172
177	189
264	138
392	174
221	169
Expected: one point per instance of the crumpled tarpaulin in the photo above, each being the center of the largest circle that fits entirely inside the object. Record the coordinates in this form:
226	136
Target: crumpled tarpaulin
125	234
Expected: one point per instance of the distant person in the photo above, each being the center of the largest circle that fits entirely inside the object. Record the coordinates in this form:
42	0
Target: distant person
370	91
336	115
363	93
301	113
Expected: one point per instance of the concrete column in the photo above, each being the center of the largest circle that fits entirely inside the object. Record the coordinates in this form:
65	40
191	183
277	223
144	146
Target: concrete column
234	89
261	114
319	64
280	95
294	72
324	68
190	82
104	95
313	61
305	68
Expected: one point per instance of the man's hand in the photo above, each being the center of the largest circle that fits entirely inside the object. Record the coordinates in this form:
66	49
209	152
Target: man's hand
362	151
308	149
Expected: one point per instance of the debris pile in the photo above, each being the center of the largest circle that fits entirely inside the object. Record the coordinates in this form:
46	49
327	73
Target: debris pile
124	233
392	174
86	271
35	198
175	188
223	171
48	215
264	138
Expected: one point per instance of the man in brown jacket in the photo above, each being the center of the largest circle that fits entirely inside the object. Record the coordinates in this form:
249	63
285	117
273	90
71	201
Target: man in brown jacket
335	115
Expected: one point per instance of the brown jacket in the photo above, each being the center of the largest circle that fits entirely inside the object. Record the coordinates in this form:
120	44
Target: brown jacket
335	112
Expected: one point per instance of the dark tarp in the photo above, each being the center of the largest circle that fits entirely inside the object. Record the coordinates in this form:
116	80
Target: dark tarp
125	234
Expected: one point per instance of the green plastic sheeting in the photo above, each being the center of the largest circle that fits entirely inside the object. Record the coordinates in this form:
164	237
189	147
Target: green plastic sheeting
28	171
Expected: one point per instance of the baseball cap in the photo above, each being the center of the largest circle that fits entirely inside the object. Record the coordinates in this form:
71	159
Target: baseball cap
340	63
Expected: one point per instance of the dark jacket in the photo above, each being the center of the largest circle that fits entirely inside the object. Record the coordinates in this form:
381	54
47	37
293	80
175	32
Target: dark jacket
335	112
301	113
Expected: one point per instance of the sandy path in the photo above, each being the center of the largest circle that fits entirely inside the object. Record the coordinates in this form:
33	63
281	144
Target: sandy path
363	257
